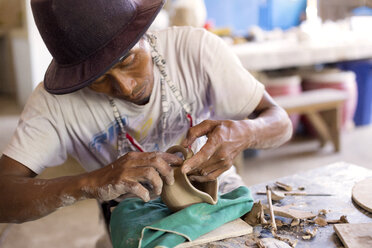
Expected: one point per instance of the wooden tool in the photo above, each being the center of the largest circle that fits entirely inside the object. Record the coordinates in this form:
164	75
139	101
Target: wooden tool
362	194
272	216
297	193
355	235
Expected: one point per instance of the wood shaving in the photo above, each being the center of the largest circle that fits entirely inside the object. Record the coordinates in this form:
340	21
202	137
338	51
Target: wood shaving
306	237
291	242
343	219
320	221
279	223
295	222
322	212
256	216
311	233
259	243
301	188
284	186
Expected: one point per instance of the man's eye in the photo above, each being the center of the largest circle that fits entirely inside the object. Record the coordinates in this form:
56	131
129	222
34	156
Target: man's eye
129	60
99	81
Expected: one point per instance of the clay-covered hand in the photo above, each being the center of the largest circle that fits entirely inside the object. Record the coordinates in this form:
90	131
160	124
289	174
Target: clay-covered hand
135	173
226	139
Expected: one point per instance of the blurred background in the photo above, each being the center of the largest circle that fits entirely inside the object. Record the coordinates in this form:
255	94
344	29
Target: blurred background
295	47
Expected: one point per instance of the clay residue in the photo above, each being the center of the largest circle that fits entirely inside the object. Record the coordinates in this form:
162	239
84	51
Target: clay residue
108	192
67	200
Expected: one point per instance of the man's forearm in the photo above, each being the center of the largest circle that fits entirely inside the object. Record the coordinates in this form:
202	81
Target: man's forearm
271	128
25	199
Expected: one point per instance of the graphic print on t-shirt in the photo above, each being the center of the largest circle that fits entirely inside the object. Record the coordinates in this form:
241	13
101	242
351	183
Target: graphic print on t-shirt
150	135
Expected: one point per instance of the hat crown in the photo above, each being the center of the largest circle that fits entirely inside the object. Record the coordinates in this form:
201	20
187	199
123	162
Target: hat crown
74	29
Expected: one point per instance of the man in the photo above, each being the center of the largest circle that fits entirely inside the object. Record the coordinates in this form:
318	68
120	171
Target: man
116	98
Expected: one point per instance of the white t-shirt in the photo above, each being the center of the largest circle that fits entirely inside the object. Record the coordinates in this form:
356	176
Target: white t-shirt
208	74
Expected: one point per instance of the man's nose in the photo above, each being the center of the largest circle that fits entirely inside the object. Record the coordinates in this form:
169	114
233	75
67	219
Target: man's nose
123	83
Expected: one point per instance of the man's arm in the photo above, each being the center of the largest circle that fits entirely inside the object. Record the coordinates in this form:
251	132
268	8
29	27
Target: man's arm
269	126
24	197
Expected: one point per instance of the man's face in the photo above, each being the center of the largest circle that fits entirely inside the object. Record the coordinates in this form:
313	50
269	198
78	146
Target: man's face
131	79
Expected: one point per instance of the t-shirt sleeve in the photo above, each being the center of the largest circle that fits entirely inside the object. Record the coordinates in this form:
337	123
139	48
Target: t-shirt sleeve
40	138
233	92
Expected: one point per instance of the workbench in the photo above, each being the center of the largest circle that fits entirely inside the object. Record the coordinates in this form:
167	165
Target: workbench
278	54
336	179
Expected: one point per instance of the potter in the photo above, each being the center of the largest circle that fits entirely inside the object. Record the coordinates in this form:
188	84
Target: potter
116	95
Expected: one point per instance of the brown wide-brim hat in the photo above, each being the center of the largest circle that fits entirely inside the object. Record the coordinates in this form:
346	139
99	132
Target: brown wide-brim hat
87	37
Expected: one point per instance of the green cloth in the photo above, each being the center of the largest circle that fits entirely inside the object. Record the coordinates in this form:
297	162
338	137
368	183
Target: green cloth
135	223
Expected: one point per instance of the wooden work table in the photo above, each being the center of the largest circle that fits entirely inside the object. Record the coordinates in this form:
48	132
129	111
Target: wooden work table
336	179
272	55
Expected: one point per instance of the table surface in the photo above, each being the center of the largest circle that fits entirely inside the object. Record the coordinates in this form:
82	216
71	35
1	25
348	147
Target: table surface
336	179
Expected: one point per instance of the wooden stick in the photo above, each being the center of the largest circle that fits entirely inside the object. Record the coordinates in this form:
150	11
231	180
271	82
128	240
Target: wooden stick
272	216
298	193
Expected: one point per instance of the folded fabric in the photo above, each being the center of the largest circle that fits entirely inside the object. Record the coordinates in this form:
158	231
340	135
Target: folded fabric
135	223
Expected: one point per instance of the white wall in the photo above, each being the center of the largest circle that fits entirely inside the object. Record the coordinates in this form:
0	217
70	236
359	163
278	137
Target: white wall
22	66
40	56
30	57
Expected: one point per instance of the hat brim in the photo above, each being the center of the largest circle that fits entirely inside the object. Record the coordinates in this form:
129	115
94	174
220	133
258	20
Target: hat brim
62	79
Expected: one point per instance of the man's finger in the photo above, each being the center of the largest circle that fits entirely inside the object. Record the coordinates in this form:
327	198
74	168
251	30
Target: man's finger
164	169
212	166
160	165
199	158
171	159
138	190
210	177
149	174
198	131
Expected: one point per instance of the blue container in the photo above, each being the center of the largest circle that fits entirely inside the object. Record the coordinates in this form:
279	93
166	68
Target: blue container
363	71
282	14
239	15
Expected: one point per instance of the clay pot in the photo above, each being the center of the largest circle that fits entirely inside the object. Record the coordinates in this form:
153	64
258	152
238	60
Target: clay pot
183	193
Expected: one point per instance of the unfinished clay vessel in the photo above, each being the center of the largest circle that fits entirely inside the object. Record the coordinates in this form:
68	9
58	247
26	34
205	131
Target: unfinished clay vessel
183	193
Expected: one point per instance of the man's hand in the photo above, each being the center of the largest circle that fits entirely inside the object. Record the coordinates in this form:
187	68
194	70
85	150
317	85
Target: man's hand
269	126
226	139
135	173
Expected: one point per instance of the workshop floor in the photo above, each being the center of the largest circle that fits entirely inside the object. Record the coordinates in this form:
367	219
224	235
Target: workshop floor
81	226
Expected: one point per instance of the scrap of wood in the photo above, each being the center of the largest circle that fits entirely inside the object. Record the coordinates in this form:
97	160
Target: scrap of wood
306	237
284	186
310	234
322	212
266	242
256	215
277	195
259	243
295	222
356	235
320	221
343	219
286	211
291	242
271	211
279	223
